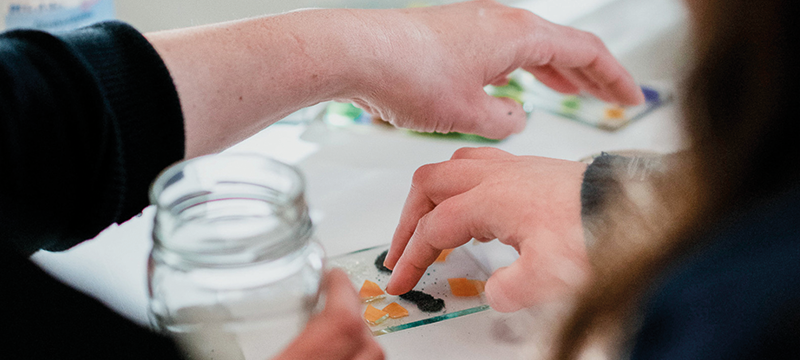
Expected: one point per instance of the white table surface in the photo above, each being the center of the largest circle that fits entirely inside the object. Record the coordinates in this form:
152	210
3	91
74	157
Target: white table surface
358	179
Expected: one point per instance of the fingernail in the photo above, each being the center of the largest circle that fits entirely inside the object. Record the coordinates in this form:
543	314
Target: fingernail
386	259
390	287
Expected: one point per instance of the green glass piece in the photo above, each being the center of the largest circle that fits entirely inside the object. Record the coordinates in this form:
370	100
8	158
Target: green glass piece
458	136
571	104
512	90
344	109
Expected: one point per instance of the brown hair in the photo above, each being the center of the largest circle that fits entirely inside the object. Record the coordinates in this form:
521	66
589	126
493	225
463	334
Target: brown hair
739	108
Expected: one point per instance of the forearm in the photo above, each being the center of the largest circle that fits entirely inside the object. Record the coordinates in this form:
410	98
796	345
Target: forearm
236	78
422	68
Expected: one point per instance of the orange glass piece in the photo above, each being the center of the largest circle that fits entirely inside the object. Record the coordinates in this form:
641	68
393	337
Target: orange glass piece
370	291
373	316
443	256
615	112
395	311
480	285
465	287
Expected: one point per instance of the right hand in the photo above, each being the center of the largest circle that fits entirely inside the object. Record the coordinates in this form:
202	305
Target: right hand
530	203
338	332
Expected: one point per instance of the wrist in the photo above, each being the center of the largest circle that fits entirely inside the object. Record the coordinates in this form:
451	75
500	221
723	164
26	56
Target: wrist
356	51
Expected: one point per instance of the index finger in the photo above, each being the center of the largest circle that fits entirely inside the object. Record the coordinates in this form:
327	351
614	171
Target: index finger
431	185
452	223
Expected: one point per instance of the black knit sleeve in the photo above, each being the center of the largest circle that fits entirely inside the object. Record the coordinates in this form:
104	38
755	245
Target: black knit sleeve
89	118
603	182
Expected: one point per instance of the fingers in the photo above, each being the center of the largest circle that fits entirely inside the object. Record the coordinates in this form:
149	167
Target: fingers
485	115
344	306
417	205
481	153
549	267
452	223
370	353
504	290
493	117
341	297
577	76
500	81
583	60
551	77
431	185
339	326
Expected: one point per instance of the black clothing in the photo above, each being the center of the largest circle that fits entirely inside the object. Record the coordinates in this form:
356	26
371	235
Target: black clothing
48	320
87	120
736	297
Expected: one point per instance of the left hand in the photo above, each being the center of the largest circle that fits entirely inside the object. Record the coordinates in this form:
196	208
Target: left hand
338	332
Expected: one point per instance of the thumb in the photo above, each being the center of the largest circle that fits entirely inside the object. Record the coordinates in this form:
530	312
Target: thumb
507	290
535	278
496	117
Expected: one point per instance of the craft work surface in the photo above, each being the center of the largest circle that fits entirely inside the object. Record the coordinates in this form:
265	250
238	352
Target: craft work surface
360	266
358	179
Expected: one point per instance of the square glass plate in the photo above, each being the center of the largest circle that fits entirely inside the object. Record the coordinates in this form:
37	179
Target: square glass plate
592	111
360	265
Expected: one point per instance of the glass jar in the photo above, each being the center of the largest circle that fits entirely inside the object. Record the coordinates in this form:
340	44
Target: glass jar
234	272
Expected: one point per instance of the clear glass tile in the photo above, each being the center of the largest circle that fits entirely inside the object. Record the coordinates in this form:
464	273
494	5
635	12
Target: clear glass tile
360	265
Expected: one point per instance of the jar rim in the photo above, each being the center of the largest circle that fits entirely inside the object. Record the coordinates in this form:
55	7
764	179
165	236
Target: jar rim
166	176
207	180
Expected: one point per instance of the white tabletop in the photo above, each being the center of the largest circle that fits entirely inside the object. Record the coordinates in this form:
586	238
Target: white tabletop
358	179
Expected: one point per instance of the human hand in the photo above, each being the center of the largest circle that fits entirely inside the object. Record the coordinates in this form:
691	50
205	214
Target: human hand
431	65
530	203
338	332
422	68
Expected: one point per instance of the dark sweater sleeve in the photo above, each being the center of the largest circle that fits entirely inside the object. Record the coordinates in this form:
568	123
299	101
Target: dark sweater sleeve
49	320
89	118
733	297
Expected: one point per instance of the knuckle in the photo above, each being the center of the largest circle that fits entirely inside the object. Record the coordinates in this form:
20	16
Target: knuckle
423	174
594	40
527	20
495	152
423	229
525	16
443	214
463	153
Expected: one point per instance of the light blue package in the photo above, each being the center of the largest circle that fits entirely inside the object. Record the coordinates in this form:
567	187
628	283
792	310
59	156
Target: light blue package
57	16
